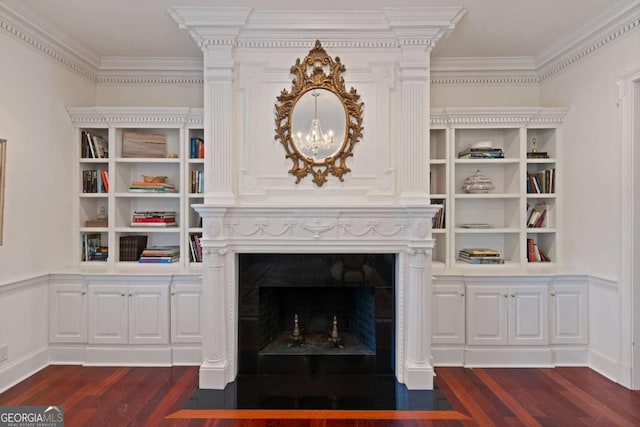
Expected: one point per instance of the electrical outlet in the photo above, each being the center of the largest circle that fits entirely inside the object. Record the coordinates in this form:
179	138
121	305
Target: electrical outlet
4	352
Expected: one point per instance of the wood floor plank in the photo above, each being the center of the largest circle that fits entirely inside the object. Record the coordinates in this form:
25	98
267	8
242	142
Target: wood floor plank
129	396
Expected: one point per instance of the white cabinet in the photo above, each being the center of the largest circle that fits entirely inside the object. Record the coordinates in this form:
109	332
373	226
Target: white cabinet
568	314
507	315
186	306
68	313
448	313
134	314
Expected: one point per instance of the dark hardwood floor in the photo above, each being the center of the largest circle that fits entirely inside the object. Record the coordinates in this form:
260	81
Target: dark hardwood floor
124	396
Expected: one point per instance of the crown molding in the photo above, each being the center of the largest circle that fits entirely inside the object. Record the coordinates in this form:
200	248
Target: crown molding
598	32
509	70
48	41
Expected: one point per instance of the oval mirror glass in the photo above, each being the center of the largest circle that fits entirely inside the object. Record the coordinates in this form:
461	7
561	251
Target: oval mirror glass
318	124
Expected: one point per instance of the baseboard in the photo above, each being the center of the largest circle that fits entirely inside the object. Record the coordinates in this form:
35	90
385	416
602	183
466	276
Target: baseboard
128	356
21	369
522	357
604	365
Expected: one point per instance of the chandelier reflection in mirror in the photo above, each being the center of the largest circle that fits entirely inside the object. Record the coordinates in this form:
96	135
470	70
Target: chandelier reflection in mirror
315	140
317	95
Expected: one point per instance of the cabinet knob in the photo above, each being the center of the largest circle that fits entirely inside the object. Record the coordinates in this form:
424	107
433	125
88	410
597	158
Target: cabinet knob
513	295
124	294
461	293
131	294
83	293
505	295
173	293
553	294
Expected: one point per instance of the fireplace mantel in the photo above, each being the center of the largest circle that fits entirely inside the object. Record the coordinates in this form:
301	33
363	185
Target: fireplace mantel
401	230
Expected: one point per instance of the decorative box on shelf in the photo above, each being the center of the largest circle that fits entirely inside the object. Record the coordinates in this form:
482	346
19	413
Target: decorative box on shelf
478	183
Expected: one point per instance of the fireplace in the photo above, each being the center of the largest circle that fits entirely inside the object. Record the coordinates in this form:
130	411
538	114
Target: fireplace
314	248
315	314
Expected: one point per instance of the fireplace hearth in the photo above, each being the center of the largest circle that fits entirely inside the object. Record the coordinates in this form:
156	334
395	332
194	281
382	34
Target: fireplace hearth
356	289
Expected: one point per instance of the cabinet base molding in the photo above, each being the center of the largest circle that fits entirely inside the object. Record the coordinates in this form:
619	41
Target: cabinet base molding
67	354
186	356
128	356
605	365
448	356
522	357
570	355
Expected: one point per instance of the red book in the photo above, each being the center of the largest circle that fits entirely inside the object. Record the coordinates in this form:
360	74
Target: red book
105	180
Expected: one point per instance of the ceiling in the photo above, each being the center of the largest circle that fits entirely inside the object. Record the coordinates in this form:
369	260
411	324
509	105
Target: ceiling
142	28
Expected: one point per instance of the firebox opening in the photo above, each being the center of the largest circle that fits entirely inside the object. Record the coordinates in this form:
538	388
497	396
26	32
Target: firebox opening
316	313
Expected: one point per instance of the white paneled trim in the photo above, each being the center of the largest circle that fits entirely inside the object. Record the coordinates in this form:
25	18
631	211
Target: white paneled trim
509	70
135	116
26	283
606	284
497	117
150	71
48	41
595	34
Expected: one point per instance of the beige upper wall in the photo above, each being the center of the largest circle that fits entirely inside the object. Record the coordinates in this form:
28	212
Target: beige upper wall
591	155
485	95
40	181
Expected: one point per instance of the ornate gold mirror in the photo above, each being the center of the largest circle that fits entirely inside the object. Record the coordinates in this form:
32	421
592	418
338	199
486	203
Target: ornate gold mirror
318	122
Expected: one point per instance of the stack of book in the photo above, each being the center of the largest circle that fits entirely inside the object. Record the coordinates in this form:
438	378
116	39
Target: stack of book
543	181
534	253
94	146
195	247
160	255
480	256
151	187
536	215
196	148
131	247
154	219
92	250
481	153
438	220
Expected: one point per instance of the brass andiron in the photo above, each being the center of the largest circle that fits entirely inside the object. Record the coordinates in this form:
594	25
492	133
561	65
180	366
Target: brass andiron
334	339
295	338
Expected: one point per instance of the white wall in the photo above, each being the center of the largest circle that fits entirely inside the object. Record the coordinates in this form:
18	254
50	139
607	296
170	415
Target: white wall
40	154
591	194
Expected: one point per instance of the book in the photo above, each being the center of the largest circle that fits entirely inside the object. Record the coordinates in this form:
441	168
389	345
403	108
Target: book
131	247
161	251
480	153
158	260
101	146
104	175
480	251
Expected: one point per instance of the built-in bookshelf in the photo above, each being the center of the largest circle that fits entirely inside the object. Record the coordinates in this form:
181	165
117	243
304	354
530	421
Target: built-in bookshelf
138	175
501	197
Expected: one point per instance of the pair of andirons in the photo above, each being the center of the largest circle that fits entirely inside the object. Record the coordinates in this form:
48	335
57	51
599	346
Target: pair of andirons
296	338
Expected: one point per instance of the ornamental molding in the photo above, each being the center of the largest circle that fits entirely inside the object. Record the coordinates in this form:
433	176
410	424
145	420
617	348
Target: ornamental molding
136	116
595	34
506	117
48	41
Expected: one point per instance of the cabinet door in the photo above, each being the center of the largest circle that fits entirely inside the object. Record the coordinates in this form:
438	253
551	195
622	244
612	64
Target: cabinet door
568	314
185	314
68	313
528	315
148	314
448	314
487	315
108	308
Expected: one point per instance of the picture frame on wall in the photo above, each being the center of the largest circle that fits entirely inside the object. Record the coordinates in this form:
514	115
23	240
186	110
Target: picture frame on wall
3	167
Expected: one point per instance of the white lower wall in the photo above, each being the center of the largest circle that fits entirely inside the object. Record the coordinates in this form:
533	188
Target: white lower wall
24	327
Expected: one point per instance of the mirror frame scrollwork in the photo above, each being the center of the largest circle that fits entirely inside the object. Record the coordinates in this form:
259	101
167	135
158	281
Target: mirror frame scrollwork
310	74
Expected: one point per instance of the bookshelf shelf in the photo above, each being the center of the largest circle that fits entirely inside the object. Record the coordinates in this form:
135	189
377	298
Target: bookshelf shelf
498	219
129	144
